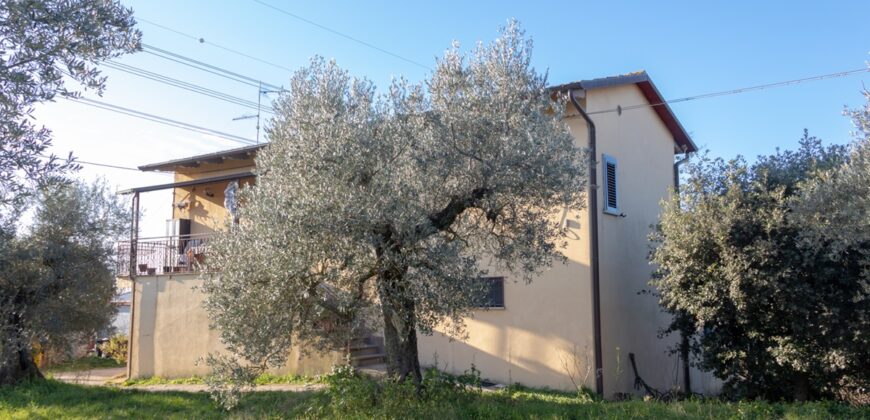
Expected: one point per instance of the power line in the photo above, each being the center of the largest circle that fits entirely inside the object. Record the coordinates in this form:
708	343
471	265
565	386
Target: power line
343	35
202	69
191	87
105	165
156	118
178	83
131	112
203	41
739	90
160	120
229	74
75	160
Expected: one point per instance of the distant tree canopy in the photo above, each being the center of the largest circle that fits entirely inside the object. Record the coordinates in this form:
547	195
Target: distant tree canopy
767	267
57	279
390	205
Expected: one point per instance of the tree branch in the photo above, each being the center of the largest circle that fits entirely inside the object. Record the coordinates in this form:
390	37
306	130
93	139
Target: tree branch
443	219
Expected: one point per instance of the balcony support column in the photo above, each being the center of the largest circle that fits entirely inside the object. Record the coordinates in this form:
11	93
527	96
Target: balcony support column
134	239
134	234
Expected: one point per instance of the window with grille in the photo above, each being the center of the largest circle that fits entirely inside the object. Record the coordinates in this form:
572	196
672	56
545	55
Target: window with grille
611	196
492	292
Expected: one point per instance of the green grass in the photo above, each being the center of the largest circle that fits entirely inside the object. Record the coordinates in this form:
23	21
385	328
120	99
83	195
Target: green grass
55	400
51	399
269	379
156	380
84	363
264	379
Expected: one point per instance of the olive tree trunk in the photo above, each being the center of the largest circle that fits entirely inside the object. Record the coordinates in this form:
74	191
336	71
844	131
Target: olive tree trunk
16	363
400	331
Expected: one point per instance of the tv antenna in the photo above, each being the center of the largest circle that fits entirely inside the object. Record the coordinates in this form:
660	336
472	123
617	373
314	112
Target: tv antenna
260	93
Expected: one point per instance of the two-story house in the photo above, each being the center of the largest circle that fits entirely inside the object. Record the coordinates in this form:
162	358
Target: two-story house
574	325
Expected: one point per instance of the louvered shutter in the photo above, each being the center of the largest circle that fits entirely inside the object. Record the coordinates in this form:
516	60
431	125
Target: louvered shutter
611	196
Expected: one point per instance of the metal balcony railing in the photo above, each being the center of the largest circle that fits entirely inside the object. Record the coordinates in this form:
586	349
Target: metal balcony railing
163	255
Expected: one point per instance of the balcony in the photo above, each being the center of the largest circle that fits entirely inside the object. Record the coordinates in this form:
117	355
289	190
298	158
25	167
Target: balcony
163	255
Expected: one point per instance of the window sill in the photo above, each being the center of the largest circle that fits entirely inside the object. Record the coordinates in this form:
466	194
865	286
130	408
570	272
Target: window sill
613	212
490	308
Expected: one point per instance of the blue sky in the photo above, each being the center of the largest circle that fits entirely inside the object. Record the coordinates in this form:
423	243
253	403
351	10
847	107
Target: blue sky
688	48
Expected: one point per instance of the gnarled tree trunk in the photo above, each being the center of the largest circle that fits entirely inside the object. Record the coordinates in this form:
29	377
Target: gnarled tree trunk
16	365
400	344
16	362
400	331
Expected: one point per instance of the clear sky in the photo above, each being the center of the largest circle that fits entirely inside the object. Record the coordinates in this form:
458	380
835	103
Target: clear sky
687	47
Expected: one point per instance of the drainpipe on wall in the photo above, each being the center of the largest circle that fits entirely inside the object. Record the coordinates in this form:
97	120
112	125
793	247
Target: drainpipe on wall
593	246
134	242
684	338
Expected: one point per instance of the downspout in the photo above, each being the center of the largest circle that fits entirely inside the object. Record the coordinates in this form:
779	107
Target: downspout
134	242
677	171
684	338
593	246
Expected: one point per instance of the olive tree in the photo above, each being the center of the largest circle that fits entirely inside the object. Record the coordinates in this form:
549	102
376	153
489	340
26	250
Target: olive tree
44	44
392	204
772	308
57	280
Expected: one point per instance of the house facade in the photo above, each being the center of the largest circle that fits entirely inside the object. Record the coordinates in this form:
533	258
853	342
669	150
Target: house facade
169	328
544	335
575	325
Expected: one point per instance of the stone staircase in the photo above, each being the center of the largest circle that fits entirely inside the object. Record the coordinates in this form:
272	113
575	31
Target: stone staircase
367	351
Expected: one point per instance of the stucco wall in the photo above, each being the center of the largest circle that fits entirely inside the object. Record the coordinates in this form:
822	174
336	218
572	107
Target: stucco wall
205	206
644	151
545	328
171	332
555	311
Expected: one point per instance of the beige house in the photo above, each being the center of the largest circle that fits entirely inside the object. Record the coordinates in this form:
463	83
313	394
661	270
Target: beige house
575	325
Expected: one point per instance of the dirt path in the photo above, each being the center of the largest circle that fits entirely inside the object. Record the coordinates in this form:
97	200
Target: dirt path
203	388
91	377
113	376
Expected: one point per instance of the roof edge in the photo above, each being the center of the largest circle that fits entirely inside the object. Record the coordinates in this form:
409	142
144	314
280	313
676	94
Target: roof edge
650	92
194	161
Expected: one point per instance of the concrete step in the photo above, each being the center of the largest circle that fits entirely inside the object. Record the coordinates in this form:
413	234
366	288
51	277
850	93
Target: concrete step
368	359
365	349
359	341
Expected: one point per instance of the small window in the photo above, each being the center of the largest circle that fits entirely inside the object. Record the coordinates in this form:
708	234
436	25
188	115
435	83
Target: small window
492	292
611	197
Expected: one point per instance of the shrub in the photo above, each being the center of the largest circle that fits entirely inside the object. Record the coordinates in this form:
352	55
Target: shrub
764	266
116	348
351	392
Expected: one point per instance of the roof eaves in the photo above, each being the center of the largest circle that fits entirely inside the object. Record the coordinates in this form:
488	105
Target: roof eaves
214	157
603	82
190	183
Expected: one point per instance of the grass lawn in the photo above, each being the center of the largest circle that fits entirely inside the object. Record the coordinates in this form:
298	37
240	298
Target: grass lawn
56	400
85	363
51	399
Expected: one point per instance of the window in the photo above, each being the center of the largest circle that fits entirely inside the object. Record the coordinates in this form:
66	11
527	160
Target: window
492	292
611	198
